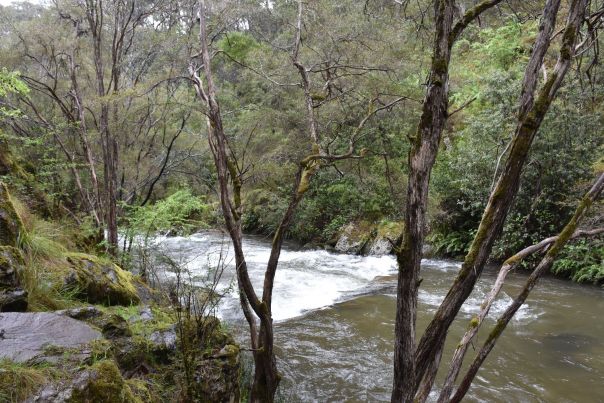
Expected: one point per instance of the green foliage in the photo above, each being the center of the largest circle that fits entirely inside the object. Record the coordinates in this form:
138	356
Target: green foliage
452	243
582	261
505	46
19	381
181	211
333	202
263	211
561	159
10	83
238	45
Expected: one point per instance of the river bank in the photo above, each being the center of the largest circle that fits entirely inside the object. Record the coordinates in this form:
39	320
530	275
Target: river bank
76	327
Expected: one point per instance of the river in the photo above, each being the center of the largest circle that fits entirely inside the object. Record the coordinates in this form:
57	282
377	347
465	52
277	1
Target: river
334	325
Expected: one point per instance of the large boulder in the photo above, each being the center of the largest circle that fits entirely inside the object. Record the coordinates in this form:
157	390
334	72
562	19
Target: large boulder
34	335
366	238
354	238
385	235
12	297
100	281
11	226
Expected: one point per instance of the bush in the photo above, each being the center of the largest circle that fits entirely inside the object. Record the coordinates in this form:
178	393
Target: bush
181	211
582	261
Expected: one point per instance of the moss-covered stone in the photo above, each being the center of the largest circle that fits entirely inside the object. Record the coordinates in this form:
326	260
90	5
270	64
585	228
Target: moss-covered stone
100	281
217	378
11	226
12	297
369	238
114	326
386	233
355	237
103	382
141	390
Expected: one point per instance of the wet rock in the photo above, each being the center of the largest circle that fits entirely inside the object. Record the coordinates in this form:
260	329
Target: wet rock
146	294
146	314
13	300
385	235
114	326
33	335
380	247
164	340
12	297
85	313
365	238
11	225
428	250
100	281
354	238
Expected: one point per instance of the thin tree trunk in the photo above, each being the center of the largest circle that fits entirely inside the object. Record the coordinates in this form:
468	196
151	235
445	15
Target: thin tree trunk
422	156
543	266
421	159
531	115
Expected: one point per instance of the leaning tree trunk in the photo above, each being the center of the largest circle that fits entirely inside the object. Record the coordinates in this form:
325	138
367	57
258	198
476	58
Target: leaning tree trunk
477	320
532	112
544	265
422	155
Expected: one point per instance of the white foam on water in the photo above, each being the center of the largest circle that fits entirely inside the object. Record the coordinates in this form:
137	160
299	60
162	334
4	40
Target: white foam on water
312	279
305	280
472	304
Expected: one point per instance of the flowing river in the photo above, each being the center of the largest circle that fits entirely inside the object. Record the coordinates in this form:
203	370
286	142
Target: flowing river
334	325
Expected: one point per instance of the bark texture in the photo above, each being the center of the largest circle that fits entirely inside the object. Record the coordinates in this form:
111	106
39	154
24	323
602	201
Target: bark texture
422	155
532	112
543	267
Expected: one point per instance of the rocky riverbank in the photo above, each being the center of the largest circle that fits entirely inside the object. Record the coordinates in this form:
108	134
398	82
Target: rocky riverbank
114	340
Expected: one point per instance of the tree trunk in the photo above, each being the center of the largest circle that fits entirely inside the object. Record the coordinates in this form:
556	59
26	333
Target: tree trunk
544	265
422	156
421	159
531	115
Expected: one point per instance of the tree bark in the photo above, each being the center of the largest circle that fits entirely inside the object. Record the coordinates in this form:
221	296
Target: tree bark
531	115
422	155
477	321
543	266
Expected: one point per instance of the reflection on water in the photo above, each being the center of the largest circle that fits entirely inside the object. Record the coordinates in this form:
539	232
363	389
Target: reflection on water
335	323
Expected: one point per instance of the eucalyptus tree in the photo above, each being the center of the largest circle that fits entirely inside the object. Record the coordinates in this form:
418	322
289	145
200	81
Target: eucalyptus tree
319	152
416	365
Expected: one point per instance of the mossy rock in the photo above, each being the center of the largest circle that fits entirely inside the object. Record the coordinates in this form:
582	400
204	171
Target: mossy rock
114	326
11	262
386	233
12	297
102	382
217	378
100	281
355	238
11	226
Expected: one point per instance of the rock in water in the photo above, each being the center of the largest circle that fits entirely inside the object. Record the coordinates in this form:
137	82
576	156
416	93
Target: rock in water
26	336
354	239
12	297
